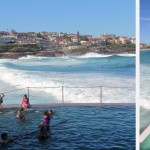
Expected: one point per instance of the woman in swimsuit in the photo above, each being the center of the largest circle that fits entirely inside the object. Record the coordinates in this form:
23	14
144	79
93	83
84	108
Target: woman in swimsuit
25	102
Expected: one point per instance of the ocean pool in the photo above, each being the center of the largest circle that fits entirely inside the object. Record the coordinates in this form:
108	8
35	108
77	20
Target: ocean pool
73	128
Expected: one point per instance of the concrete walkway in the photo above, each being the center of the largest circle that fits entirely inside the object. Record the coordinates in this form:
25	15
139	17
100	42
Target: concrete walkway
144	134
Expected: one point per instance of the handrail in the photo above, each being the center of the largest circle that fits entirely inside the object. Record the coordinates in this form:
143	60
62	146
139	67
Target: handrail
63	90
13	90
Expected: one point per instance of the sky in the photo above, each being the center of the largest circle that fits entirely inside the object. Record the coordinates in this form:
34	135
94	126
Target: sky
145	21
92	17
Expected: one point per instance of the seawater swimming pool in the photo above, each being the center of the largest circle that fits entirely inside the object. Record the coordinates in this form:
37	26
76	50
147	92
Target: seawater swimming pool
73	127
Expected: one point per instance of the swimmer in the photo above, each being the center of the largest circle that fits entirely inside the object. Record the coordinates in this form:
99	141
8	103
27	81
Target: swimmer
45	125
47	117
1	99
4	138
20	114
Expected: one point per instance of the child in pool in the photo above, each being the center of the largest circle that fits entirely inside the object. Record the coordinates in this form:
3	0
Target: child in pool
20	114
47	117
45	125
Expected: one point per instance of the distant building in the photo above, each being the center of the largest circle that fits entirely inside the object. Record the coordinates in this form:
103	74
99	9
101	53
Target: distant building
53	34
133	40
122	40
93	41
83	42
62	43
4	33
41	42
7	39
73	37
106	36
51	38
61	34
88	36
31	34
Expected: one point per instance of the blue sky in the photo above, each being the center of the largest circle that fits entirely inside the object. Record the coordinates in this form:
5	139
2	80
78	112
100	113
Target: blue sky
145	21
86	16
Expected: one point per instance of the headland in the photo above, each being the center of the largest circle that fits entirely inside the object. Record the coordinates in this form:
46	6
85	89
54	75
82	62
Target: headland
14	44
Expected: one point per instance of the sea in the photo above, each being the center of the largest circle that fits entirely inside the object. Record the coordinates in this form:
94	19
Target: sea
79	84
91	78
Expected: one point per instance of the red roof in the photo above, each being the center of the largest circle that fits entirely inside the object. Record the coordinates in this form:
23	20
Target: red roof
72	35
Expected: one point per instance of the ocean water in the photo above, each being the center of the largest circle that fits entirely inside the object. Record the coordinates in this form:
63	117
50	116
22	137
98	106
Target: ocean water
73	127
115	73
91	126
144	89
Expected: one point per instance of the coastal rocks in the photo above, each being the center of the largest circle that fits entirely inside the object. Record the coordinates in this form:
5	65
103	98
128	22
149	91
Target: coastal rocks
11	55
45	54
51	54
15	55
59	54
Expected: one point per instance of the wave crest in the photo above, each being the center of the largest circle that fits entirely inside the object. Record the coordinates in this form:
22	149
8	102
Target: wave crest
95	55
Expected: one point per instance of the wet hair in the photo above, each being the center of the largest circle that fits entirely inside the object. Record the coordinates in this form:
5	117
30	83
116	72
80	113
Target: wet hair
21	108
25	95
4	136
45	112
51	111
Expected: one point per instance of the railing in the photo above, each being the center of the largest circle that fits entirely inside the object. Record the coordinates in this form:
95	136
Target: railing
63	90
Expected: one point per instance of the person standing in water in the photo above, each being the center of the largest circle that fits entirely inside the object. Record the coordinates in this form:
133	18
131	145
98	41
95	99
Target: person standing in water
47	117
45	125
20	114
1	99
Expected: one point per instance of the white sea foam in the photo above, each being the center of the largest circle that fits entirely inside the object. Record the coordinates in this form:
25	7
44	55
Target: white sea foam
88	55
76	95
94	55
32	57
35	61
145	86
127	55
145	103
25	78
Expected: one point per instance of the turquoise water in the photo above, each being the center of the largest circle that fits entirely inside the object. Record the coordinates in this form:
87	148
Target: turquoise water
144	96
146	144
145	89
116	73
77	128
